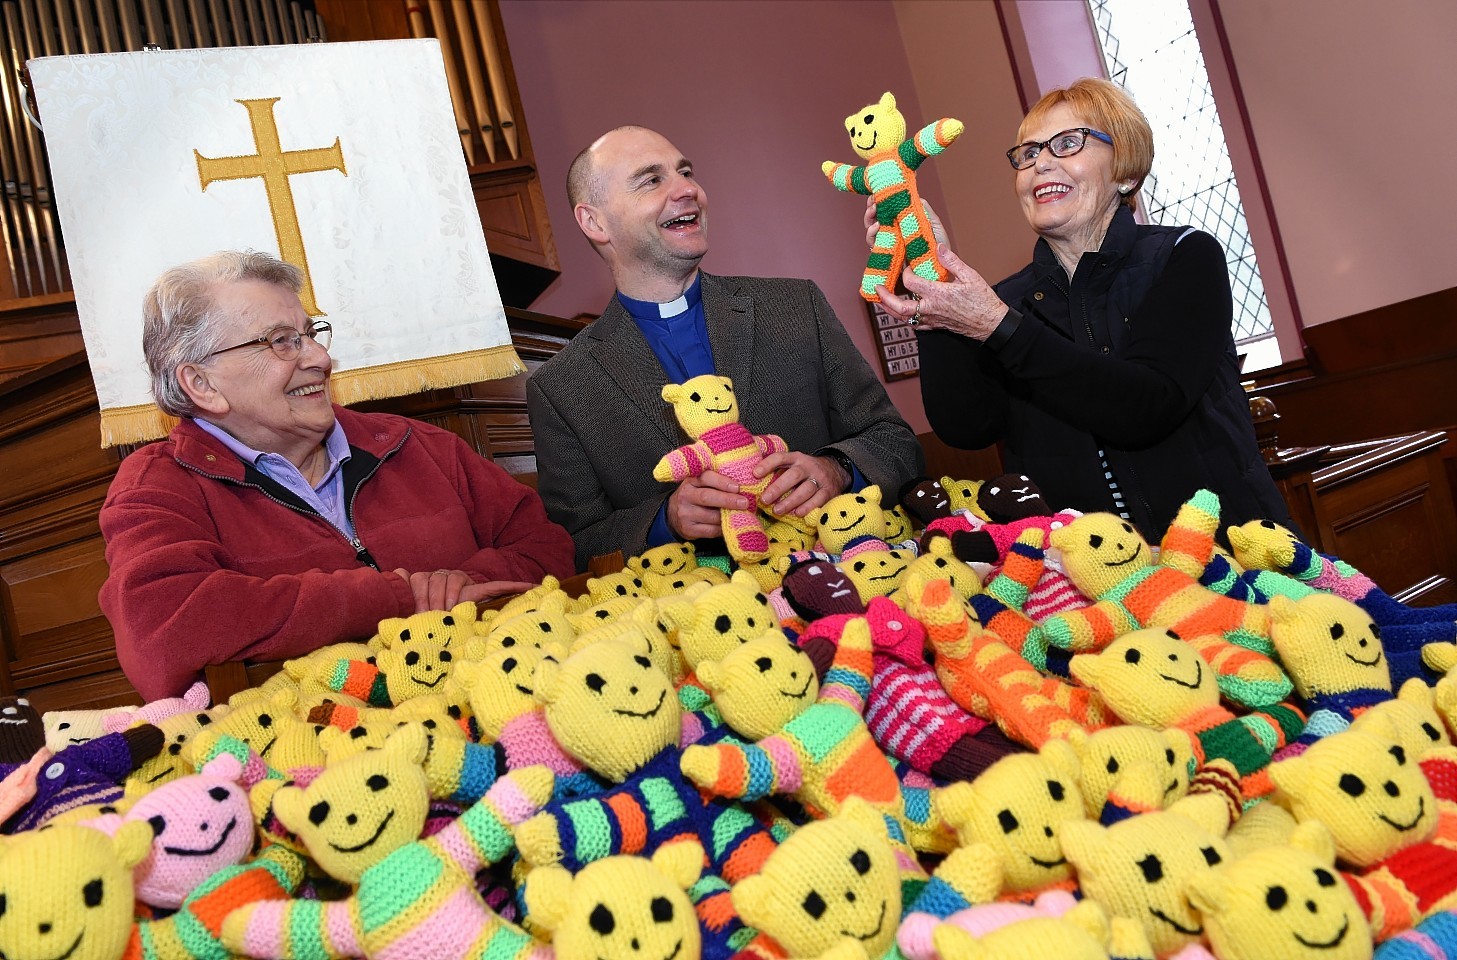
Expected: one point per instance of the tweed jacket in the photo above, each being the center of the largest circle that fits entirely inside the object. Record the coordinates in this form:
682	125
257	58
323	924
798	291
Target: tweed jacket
601	424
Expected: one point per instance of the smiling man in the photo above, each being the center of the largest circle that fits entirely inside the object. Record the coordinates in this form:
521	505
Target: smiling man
597	410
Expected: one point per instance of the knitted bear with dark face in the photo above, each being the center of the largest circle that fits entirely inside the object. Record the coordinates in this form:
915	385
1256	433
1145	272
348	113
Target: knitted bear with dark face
21	731
924	500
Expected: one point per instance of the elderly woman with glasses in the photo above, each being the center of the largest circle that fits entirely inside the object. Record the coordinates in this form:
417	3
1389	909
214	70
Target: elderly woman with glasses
271	522
1106	367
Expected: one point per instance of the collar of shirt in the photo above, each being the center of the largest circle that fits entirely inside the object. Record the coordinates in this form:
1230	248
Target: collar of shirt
278	467
663	312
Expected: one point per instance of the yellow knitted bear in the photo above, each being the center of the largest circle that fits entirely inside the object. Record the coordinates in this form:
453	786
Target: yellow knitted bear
1282	903
622	906
66	891
1105	755
1140	867
1083	933
712	620
448	626
708	412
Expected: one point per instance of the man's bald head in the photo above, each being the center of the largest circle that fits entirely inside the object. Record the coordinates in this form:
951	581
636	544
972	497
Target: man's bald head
583	185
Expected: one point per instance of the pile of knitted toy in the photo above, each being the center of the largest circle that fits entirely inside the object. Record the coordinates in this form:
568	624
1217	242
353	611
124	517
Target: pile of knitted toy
965	726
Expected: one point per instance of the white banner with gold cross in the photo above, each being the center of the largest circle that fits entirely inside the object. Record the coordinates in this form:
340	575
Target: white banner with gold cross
342	158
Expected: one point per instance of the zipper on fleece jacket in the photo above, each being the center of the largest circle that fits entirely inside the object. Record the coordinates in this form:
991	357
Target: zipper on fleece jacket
361	552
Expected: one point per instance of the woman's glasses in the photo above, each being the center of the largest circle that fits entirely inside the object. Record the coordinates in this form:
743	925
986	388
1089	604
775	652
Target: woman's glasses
1064	144
287	342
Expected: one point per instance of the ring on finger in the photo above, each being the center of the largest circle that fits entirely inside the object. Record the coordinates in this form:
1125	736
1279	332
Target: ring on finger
813	481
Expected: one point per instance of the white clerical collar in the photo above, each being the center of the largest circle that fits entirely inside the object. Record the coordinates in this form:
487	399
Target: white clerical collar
673	307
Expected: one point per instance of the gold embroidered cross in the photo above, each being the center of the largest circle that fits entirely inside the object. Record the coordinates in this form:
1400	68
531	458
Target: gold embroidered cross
274	166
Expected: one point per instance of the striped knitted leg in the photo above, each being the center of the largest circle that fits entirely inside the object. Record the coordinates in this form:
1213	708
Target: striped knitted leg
1188	544
887	254
294	930
746	539
920	244
1245	677
1089	629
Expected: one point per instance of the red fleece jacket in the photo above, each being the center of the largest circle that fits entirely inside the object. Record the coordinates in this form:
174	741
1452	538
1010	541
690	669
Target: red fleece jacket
207	567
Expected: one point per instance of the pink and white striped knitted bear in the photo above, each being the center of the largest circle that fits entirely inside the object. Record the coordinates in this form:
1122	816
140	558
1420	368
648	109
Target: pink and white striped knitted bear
708	411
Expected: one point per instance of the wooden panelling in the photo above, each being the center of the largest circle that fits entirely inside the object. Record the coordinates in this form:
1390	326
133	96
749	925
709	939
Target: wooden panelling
36	331
947	461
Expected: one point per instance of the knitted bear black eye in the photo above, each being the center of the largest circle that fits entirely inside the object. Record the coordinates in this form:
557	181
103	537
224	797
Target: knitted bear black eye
1324	878
1352	784
1400	756
445	656
595	683
641	660
859	565
621	590
412	658
356	733
860	860
750	621
1431	732
860	500
1211	856
174	748
265	721
1337	631
508	641
1112	764
636	582
662	909
203	719
601	918
2	904
1268	524
405	634
1276	898
1127	528
448	620
814	905
764	664
1007	820
940	561
1392	790
508	664
723	623
1152	867
870	118
219	793
1132	655
319	812
1054	790
760	598
377	782
158	824
429	724
1376	631
1169	756
92	893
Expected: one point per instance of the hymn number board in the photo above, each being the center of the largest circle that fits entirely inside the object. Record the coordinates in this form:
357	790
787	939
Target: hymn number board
900	354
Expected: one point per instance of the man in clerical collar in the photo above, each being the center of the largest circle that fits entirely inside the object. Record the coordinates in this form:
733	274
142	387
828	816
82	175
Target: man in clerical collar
597	412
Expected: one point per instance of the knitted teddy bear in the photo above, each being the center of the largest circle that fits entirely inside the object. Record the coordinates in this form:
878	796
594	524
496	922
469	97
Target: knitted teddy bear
670	567
924	500
1108	560
807	740
172	760
834	888
878	134
1110	753
394	674
1334	656
66	728
1153	678
1385	812
197	697
1141	868
67	891
621	907
708	412
613	711
1008	822
549	622
992	680
909	713
413	898
455	625
1282	903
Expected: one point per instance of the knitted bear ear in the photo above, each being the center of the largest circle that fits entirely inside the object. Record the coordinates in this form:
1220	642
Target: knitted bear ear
388	661
284	700
1288	775
1444	696
1082	843
1238	539
1416	692
1209	892
680	862
745	579
132	842
671	392
464	612
1061	755
872	493
887	101
1282	609
197	696
710	674
290	806
858	810
1089	916
1087	669
753	898
956	803
547	681
224	766
1315	838
409	743
548	895
389	630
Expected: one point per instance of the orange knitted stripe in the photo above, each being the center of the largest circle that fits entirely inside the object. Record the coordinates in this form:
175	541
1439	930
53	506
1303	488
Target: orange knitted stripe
1186	541
248	887
748	859
716	911
733	773
631	820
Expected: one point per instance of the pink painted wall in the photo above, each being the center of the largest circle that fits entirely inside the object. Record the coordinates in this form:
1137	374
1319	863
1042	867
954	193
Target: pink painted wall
1350	103
755	94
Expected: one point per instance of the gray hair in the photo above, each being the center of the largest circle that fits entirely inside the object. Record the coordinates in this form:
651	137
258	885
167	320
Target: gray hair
181	321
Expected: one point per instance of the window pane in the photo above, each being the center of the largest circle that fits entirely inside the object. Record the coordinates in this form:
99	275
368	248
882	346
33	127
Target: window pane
1151	50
